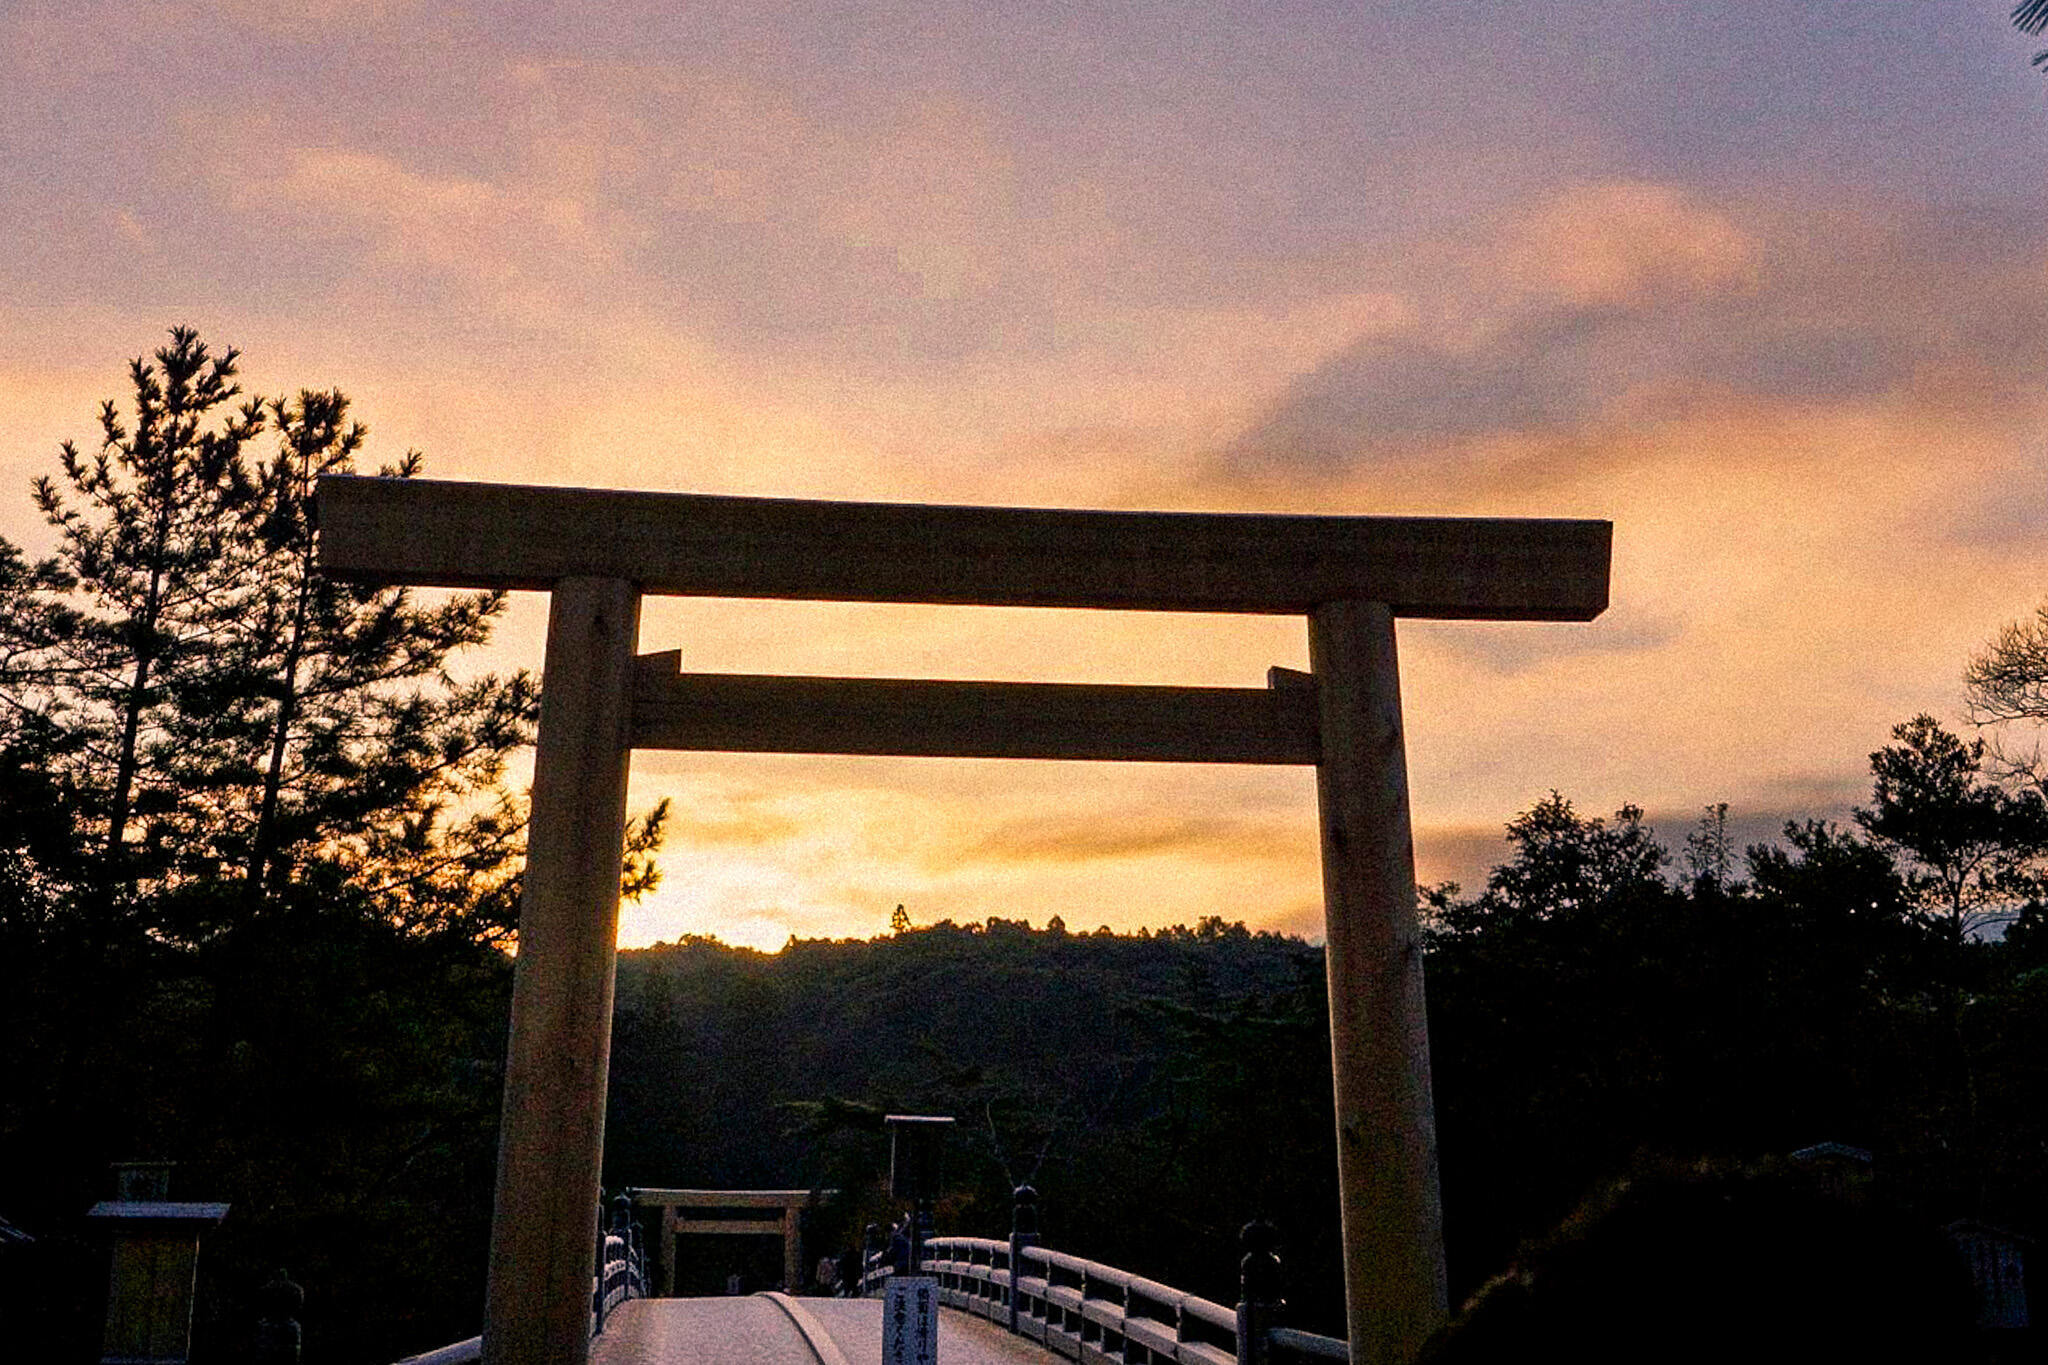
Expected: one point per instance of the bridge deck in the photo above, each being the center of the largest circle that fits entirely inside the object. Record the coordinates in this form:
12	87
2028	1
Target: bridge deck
756	1330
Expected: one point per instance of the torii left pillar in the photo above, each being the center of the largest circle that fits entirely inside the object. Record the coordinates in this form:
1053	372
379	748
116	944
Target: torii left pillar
551	1146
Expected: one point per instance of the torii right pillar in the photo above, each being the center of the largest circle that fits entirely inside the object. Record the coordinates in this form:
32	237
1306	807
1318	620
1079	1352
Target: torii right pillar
1394	1283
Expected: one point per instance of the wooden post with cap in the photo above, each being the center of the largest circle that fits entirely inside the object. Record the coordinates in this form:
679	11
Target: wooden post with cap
551	1144
1394	1283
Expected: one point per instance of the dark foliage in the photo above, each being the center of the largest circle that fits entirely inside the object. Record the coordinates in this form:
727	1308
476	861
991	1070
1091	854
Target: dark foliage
1716	1263
331	1076
1118	1074
1581	1021
2031	16
1587	1015
256	872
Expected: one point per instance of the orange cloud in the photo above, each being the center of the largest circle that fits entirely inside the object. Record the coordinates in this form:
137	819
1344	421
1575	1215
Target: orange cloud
1622	242
1143	834
1574	328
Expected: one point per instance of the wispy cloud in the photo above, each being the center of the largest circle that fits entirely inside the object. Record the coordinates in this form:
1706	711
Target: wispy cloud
1144	834
1619	306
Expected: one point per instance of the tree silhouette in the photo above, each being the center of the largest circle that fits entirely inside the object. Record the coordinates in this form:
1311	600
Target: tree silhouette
1709	857
329	728
224	713
2031	17
1563	863
2008	679
148	540
1972	848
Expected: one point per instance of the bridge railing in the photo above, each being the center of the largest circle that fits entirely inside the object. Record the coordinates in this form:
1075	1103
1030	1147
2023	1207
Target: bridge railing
1081	1309
621	1264
621	1274
1094	1313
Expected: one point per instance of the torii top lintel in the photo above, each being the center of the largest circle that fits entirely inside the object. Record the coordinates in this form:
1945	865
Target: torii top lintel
479	535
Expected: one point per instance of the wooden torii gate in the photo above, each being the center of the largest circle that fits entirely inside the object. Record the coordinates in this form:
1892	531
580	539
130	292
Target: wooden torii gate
598	551
707	1211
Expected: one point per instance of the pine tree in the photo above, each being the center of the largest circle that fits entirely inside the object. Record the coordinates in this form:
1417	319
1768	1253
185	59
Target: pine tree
148	536
330	729
1709	856
230	721
2031	17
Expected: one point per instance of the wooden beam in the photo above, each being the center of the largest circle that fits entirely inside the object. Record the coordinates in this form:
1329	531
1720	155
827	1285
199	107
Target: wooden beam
728	1199
739	713
476	535
761	1227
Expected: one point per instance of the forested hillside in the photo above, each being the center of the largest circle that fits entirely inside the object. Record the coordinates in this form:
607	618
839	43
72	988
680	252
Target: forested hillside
1120	1075
1599	1007
1605	1003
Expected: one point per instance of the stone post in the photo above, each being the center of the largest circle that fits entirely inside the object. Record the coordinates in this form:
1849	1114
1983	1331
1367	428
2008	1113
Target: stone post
1023	1233
277	1339
1259	1306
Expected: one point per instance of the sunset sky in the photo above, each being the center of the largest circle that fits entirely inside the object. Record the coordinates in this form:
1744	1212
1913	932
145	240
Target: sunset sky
1763	282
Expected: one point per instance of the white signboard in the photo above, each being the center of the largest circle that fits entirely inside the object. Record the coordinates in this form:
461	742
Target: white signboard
910	1320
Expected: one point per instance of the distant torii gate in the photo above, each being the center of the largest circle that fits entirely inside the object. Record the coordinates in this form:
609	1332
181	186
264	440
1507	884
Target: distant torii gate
787	1224
598	551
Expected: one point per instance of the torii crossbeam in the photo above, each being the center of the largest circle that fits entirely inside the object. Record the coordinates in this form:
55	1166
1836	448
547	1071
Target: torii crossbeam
597	552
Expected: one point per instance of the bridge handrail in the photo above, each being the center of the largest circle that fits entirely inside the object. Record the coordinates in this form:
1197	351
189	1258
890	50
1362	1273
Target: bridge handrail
1084	1309
621	1263
620	1274
1075	1307
1308	1344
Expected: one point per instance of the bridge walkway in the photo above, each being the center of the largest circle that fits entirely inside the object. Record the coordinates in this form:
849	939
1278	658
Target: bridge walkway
770	1329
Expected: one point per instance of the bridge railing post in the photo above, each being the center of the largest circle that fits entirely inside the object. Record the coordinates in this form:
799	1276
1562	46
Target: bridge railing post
278	1335
1260	1306
1081	1327
627	1229
869	1236
597	1297
1023	1233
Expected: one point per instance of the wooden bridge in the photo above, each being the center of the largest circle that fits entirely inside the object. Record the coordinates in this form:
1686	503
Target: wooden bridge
1002	1302
774	1329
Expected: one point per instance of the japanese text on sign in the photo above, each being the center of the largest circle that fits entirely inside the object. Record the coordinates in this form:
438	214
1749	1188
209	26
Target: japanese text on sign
910	1321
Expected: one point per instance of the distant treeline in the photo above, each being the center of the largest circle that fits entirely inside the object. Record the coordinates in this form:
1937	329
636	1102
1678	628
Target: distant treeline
1603	1004
1158	1089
